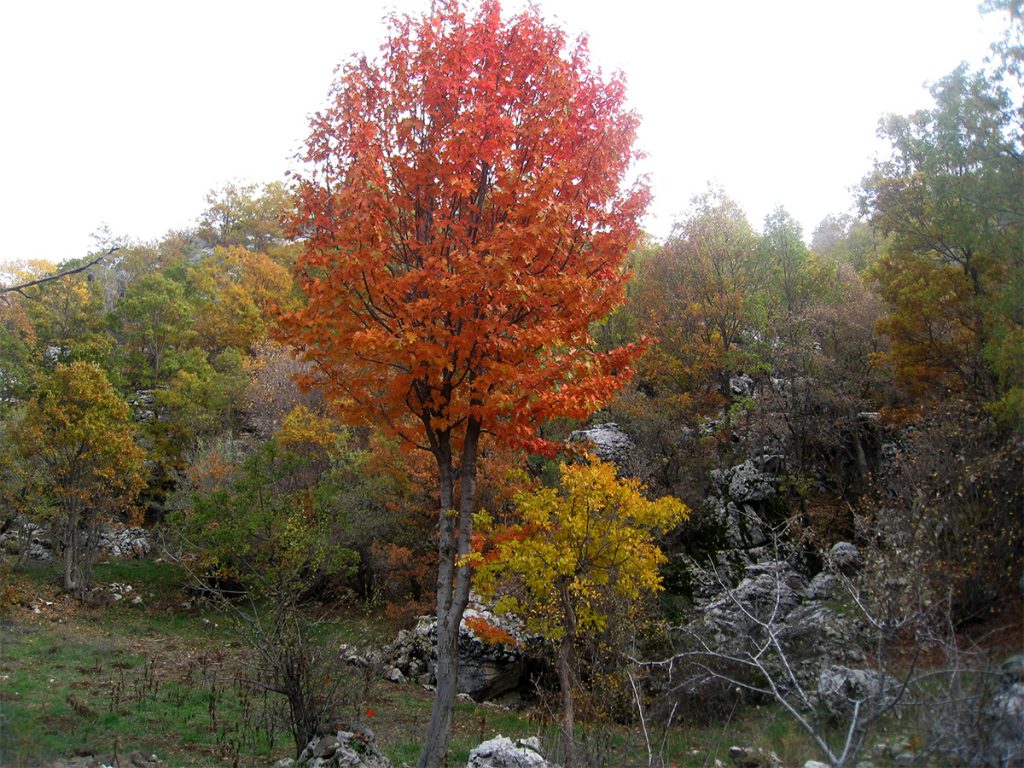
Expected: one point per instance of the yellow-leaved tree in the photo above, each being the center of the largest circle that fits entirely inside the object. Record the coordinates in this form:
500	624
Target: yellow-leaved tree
76	461
578	547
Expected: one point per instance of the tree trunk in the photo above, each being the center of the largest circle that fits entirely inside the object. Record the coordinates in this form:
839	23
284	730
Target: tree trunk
565	680
72	544
567	673
453	580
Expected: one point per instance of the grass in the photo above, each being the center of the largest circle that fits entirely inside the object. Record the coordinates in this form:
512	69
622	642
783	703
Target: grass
68	691
162	678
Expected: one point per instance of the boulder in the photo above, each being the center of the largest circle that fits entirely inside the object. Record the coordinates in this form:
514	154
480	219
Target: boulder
749	757
812	635
488	668
767	590
20	537
121	541
610	444
741	386
343	749
742	525
1005	714
822	587
744	483
840	687
502	752
844	557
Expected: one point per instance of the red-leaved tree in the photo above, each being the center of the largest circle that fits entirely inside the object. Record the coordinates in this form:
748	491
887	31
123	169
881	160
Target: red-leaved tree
466	213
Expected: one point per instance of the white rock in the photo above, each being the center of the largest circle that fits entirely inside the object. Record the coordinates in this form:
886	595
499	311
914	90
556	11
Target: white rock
502	752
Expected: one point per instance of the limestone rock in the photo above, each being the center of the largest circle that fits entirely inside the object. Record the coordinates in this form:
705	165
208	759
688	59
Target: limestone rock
120	541
822	587
342	749
21	537
839	687
844	557
487	669
744	483
748	757
741	523
813	636
741	386
502	752
1005	714
610	443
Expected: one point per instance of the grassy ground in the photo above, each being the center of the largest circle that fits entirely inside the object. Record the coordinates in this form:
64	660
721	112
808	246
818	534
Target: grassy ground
178	682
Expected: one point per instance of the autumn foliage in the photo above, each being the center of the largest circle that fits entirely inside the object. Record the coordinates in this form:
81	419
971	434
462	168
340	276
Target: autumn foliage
579	547
466	215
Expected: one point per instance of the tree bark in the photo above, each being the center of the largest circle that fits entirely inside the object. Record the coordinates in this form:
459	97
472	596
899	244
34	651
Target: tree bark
453	580
565	679
72	544
567	674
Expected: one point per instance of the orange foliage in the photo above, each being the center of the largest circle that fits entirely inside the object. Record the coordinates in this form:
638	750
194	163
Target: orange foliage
402	579
209	473
466	220
488	633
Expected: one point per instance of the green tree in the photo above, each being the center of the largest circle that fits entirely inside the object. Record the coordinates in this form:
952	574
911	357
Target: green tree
783	245
154	319
75	450
246	215
68	317
203	396
577	547
950	201
266	527
237	292
720	271
846	240
267	521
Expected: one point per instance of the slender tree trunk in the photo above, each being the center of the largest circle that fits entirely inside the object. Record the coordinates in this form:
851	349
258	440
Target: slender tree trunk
862	459
453	580
71	554
567	675
565	681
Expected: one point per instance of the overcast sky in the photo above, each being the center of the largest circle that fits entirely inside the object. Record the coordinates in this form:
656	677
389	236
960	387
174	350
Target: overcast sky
127	113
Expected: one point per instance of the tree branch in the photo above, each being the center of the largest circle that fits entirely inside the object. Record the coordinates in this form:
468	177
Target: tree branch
20	288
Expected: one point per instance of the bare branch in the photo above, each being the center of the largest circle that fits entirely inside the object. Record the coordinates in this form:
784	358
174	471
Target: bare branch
20	288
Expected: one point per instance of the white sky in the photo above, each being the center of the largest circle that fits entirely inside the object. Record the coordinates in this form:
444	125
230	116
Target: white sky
127	113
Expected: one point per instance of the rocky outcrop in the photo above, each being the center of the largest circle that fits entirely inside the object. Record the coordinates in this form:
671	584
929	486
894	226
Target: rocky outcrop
341	748
1006	713
746	482
493	657
610	443
23	539
502	752
119	541
840	688
741	524
750	757
773	597
741	386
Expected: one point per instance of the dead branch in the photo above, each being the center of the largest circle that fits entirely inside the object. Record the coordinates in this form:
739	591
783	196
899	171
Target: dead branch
20	288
